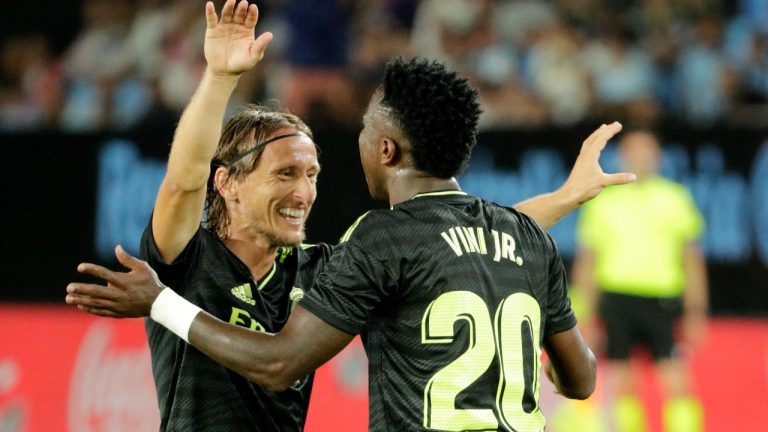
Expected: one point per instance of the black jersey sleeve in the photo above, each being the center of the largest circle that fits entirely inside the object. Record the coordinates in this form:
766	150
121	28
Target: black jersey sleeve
560	316
353	284
169	274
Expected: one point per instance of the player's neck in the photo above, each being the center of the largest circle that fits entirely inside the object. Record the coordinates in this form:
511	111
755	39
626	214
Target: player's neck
257	253
409	183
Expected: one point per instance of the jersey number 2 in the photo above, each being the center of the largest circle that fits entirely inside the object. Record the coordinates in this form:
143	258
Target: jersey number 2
513	337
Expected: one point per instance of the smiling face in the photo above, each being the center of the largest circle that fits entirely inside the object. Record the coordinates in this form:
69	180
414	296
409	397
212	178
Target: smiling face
273	201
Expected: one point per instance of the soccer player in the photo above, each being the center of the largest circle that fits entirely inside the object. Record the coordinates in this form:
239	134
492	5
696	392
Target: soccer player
638	258
233	267
454	295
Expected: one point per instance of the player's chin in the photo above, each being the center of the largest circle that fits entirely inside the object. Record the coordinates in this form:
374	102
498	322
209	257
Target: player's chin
290	237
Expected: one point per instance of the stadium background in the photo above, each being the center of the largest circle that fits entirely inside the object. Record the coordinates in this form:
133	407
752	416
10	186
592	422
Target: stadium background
86	119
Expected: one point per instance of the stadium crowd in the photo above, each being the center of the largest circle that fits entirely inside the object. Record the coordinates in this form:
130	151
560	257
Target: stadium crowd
702	62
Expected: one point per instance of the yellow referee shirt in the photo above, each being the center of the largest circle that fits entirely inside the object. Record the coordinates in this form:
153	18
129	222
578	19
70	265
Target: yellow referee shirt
638	233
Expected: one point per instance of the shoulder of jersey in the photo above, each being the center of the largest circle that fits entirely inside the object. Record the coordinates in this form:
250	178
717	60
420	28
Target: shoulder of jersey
368	218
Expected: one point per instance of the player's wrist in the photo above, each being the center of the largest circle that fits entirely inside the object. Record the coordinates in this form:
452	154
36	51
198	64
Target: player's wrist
219	77
174	312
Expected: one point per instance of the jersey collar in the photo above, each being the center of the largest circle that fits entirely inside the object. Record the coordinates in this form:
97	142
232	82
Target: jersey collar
438	193
431	194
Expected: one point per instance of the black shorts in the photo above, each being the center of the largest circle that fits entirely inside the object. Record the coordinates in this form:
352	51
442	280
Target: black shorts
632	320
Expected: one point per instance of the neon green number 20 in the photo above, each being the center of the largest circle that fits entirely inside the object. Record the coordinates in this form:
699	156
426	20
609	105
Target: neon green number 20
513	336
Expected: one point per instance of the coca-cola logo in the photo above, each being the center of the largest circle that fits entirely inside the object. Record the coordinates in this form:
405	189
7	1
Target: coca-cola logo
112	387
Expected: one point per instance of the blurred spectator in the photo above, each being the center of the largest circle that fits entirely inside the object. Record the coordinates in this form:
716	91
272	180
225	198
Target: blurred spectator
182	61
28	84
705	81
315	84
518	22
558	75
622	77
99	91
442	29
381	31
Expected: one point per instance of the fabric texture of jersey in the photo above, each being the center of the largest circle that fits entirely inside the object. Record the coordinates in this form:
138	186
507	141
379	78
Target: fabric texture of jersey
638	233
453	296
194	392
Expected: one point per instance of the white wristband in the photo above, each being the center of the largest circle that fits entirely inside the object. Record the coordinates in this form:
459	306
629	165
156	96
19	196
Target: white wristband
174	312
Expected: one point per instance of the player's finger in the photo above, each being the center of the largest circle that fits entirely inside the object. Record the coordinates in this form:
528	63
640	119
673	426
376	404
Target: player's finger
98	311
252	17
608	132
227	10
88	300
210	15
99	272
92	290
591	137
260	45
127	259
241	10
619	179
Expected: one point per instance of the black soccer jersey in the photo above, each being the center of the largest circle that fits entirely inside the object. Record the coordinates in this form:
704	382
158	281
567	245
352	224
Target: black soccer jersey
194	392
453	296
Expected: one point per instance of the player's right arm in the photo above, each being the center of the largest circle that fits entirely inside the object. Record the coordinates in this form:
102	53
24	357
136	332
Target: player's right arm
230	49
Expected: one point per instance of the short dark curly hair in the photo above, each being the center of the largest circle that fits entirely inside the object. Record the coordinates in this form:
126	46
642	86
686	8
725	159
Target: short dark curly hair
437	111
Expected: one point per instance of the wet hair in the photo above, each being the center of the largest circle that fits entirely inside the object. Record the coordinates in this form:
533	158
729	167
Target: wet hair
437	111
252	125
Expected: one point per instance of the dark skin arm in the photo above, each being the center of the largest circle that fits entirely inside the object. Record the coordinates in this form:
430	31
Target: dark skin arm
273	361
571	366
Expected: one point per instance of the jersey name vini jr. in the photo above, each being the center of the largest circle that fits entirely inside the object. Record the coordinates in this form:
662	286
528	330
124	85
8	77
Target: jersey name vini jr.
472	240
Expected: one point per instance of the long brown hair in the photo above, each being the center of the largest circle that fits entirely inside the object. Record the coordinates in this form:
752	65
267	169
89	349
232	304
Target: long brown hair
253	124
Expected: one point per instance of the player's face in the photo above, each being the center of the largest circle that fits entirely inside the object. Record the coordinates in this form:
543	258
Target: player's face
641	154
368	146
274	200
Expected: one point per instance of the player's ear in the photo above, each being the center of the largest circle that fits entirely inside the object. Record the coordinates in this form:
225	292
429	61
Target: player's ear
225	184
389	151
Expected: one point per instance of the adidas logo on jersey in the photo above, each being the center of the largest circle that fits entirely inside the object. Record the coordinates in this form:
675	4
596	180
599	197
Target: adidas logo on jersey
243	292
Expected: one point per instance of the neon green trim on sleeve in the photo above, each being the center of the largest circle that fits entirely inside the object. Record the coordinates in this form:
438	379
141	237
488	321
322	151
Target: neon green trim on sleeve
348	234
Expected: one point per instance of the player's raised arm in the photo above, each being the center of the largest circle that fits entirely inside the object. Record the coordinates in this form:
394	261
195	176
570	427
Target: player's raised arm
585	182
230	49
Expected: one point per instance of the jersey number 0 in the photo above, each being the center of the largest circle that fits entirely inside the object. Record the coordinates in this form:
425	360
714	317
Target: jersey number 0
513	337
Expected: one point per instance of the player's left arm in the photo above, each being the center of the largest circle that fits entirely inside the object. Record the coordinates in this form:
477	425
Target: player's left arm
274	361
571	365
585	181
696	295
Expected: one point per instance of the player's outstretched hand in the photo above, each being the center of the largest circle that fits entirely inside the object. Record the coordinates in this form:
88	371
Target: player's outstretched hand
587	178
230	44
125	295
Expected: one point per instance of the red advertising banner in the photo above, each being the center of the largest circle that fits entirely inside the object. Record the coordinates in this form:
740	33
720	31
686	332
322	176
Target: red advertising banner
64	370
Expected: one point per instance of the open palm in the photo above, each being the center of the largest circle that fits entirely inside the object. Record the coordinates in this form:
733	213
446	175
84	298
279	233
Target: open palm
587	178
230	45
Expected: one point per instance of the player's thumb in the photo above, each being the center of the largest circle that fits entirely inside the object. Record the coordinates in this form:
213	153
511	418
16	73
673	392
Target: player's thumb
619	179
126	259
